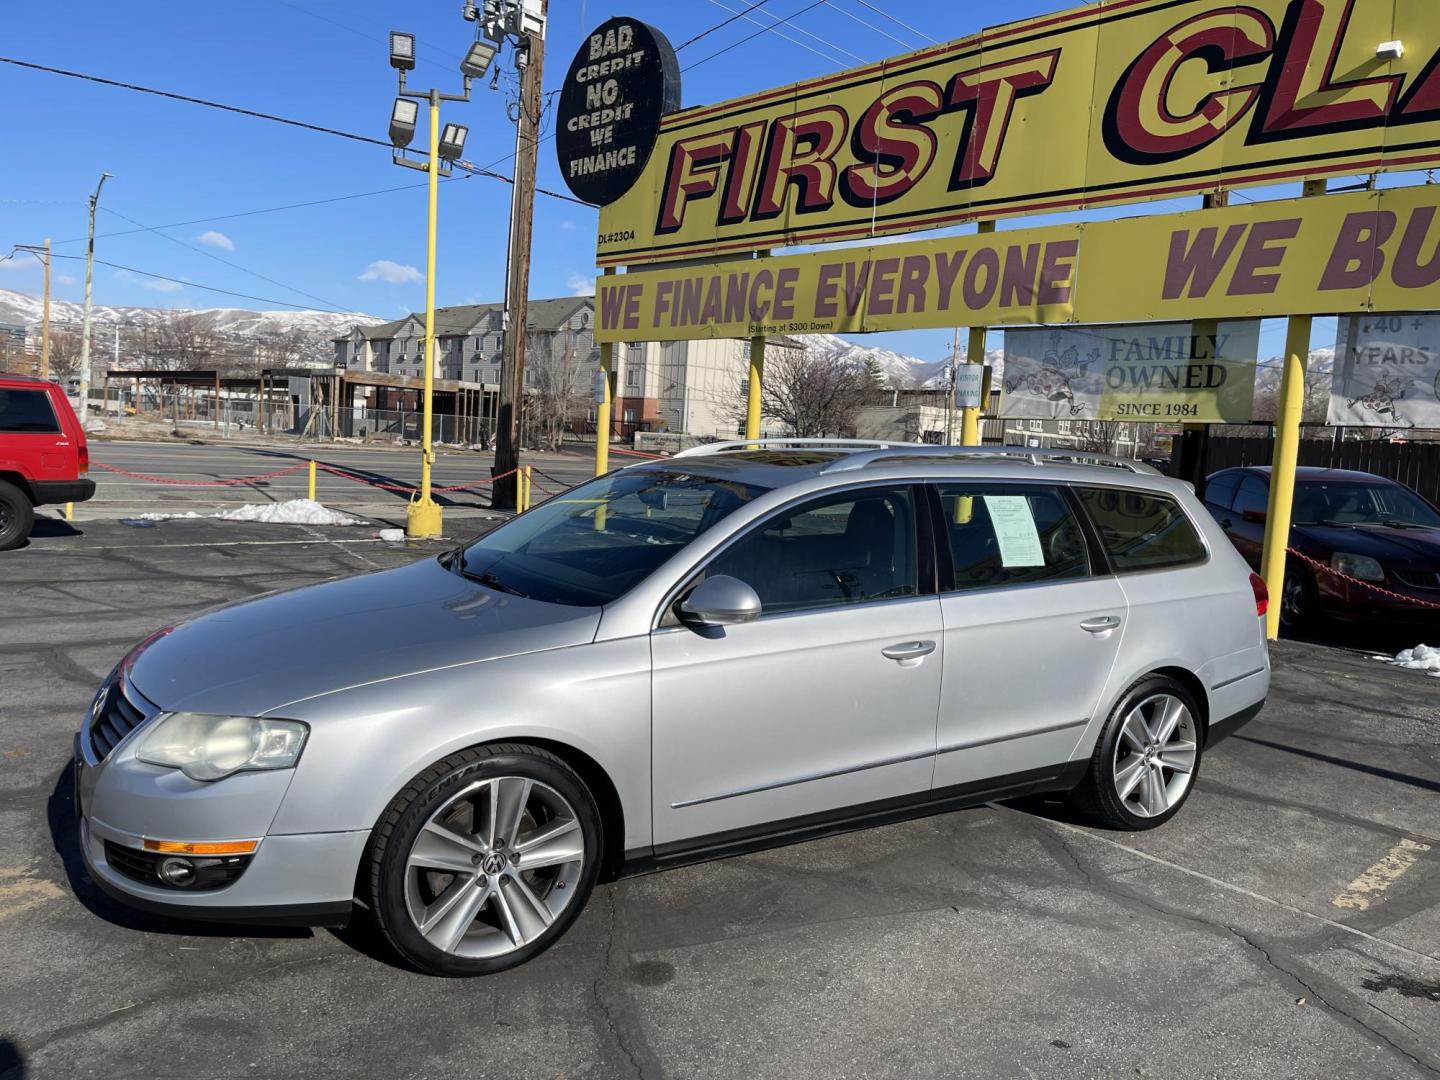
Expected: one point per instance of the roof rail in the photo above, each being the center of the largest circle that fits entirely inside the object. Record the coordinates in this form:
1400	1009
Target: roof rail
1034	455
858	453
730	446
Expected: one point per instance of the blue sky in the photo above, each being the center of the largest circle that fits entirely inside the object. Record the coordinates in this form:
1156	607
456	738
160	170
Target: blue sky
324	62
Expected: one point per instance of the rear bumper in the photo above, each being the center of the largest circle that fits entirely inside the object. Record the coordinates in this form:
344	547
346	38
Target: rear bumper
50	492
1226	727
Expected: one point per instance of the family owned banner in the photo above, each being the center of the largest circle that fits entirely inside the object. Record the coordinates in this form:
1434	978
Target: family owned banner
1156	373
1387	371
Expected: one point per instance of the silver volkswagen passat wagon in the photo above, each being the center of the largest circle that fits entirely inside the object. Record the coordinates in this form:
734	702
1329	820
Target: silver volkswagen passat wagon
740	646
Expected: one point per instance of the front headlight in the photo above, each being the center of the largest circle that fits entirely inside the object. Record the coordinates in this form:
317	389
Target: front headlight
1357	566
212	747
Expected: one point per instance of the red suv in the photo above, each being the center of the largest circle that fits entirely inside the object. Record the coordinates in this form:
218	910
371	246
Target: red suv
43	454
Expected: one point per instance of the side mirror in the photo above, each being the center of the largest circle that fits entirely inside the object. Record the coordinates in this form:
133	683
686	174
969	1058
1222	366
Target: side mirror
719	601
1255	517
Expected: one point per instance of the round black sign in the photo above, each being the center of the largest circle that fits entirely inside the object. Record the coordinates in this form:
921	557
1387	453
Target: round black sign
621	82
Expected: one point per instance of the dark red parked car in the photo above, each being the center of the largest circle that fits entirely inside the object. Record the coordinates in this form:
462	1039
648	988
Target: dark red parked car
43	454
1368	533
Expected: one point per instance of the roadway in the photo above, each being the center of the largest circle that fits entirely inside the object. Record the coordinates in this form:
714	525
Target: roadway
118	495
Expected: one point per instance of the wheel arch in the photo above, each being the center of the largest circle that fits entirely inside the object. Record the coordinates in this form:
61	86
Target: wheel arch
1191	682
18	480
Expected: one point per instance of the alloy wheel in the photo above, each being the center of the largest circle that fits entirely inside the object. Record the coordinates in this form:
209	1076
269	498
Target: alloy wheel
494	867
1155	755
1292	599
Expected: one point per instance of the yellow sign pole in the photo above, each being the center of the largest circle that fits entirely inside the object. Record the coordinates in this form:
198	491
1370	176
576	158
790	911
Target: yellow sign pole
752	394
1287	455
974	354
423	517
604	405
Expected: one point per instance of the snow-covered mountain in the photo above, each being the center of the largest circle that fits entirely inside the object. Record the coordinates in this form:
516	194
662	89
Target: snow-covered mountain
900	371
315	326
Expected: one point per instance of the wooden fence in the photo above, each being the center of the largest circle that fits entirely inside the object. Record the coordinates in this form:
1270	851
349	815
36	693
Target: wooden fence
1415	464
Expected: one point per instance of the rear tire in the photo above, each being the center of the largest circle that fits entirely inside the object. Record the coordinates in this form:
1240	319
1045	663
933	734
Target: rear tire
484	860
1146	759
17	516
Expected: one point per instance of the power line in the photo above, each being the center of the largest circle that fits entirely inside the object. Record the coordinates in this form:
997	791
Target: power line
720	25
757	33
903	25
304	125
224	261
196	101
795	41
868	26
197	285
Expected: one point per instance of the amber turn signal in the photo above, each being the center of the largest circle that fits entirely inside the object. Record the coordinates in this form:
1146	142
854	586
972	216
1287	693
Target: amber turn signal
204	847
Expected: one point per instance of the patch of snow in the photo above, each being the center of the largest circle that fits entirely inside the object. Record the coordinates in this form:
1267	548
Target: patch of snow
1421	658
392	536
290	512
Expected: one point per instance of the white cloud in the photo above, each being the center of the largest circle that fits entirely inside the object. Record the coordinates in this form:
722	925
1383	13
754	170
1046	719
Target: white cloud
579	284
18	263
159	285
216	240
391	272
64	279
566	225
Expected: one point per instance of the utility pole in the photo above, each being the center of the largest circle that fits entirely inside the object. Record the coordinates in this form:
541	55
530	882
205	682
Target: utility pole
530	58
85	328
950	396
45	319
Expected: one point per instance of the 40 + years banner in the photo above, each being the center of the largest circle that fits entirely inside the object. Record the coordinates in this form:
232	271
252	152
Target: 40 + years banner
1158	373
1387	371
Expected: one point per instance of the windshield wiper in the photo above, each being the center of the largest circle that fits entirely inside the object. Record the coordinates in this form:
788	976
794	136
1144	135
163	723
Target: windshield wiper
487	578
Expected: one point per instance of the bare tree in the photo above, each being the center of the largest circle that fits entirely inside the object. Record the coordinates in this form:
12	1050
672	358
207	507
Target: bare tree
555	394
181	340
811	394
1097	436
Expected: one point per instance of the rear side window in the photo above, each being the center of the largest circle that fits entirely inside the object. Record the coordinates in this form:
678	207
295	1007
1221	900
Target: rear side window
1010	535
1142	530
1220	489
27	411
1252	496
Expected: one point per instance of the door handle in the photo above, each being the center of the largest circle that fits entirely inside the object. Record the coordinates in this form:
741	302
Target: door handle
908	650
1100	624
1226	523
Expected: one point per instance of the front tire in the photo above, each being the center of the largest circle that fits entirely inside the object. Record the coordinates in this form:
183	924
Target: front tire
1146	759
17	516
484	860
1298	602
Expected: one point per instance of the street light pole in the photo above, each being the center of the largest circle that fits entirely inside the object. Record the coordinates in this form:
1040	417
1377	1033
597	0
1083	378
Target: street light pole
85	328
423	516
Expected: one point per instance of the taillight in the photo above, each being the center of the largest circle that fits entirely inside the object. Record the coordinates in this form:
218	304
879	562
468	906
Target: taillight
1262	594
84	456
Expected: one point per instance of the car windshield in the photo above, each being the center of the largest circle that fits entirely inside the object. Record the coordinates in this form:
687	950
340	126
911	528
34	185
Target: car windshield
595	543
1350	502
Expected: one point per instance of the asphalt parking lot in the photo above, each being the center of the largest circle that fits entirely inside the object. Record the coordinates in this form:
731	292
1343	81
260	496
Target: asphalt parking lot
1287	924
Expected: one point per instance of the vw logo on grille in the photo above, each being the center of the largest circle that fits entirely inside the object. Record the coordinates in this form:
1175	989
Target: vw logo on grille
99	703
494	862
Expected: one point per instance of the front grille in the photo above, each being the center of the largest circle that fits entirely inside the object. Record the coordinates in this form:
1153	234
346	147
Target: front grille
1419	579
122	712
142	866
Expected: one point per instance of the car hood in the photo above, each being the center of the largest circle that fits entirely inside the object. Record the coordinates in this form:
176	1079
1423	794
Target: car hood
1406	547
255	656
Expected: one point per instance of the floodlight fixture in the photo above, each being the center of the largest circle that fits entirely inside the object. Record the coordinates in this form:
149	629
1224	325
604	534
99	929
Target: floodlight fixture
452	141
478	58
402	50
403	118
1390	50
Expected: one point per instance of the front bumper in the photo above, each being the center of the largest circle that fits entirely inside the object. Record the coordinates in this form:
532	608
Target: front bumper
291	879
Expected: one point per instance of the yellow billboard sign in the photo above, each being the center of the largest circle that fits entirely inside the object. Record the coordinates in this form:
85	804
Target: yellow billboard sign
1155	373
1118	101
1359	251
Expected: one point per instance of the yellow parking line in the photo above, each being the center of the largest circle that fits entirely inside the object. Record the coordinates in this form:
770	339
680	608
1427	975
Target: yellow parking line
1374	881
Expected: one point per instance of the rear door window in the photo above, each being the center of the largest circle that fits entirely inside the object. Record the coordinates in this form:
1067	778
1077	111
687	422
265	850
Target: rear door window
1220	489
1252	496
27	411
1010	534
1142	530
